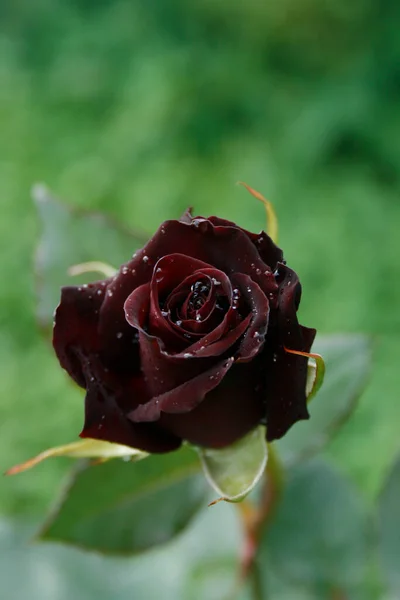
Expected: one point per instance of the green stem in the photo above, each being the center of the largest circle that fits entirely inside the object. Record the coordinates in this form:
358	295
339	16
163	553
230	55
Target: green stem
256	519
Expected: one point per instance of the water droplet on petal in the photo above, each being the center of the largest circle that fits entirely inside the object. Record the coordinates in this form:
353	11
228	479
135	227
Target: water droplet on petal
187	355
145	259
119	335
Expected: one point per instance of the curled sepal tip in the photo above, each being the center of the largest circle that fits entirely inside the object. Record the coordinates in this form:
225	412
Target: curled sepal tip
272	220
315	372
87	448
92	267
235	470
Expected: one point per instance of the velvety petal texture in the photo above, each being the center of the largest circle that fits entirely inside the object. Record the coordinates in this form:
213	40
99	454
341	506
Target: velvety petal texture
188	341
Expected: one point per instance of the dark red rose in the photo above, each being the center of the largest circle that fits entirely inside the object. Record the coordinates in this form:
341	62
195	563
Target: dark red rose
187	341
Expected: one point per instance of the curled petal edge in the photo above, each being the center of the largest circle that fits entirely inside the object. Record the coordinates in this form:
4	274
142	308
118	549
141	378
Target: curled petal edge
317	377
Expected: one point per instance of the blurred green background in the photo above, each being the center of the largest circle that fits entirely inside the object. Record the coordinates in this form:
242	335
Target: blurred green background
140	109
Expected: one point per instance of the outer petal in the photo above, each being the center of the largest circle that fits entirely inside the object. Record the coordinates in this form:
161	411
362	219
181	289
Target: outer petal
228	412
76	326
185	397
287	373
105	420
269	251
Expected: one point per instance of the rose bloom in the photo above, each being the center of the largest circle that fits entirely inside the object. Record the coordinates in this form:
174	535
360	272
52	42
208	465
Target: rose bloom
187	341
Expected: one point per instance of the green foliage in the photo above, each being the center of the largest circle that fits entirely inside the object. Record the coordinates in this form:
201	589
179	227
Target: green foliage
389	529
318	536
68	238
348	362
142	109
120	507
234	471
197	565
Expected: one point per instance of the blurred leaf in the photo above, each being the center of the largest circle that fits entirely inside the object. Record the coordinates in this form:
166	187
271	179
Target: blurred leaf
318	535
234	471
86	448
348	360
120	507
389	529
199	564
72	237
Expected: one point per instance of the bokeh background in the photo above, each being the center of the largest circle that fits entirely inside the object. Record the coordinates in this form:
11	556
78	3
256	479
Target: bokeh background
140	109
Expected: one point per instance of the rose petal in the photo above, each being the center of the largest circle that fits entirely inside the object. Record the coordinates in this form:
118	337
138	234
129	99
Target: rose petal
76	325
258	302
228	412
104	420
269	251
228	249
287	375
183	398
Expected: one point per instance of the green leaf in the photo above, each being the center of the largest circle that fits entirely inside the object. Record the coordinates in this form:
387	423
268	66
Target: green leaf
86	448
72	237
199	564
234	471
318	536
348	360
389	529
120	507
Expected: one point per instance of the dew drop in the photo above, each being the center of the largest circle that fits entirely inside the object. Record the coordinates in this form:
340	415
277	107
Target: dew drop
145	259
109	293
258	271
119	335
99	292
133	271
179	323
124	270
196	222
187	355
